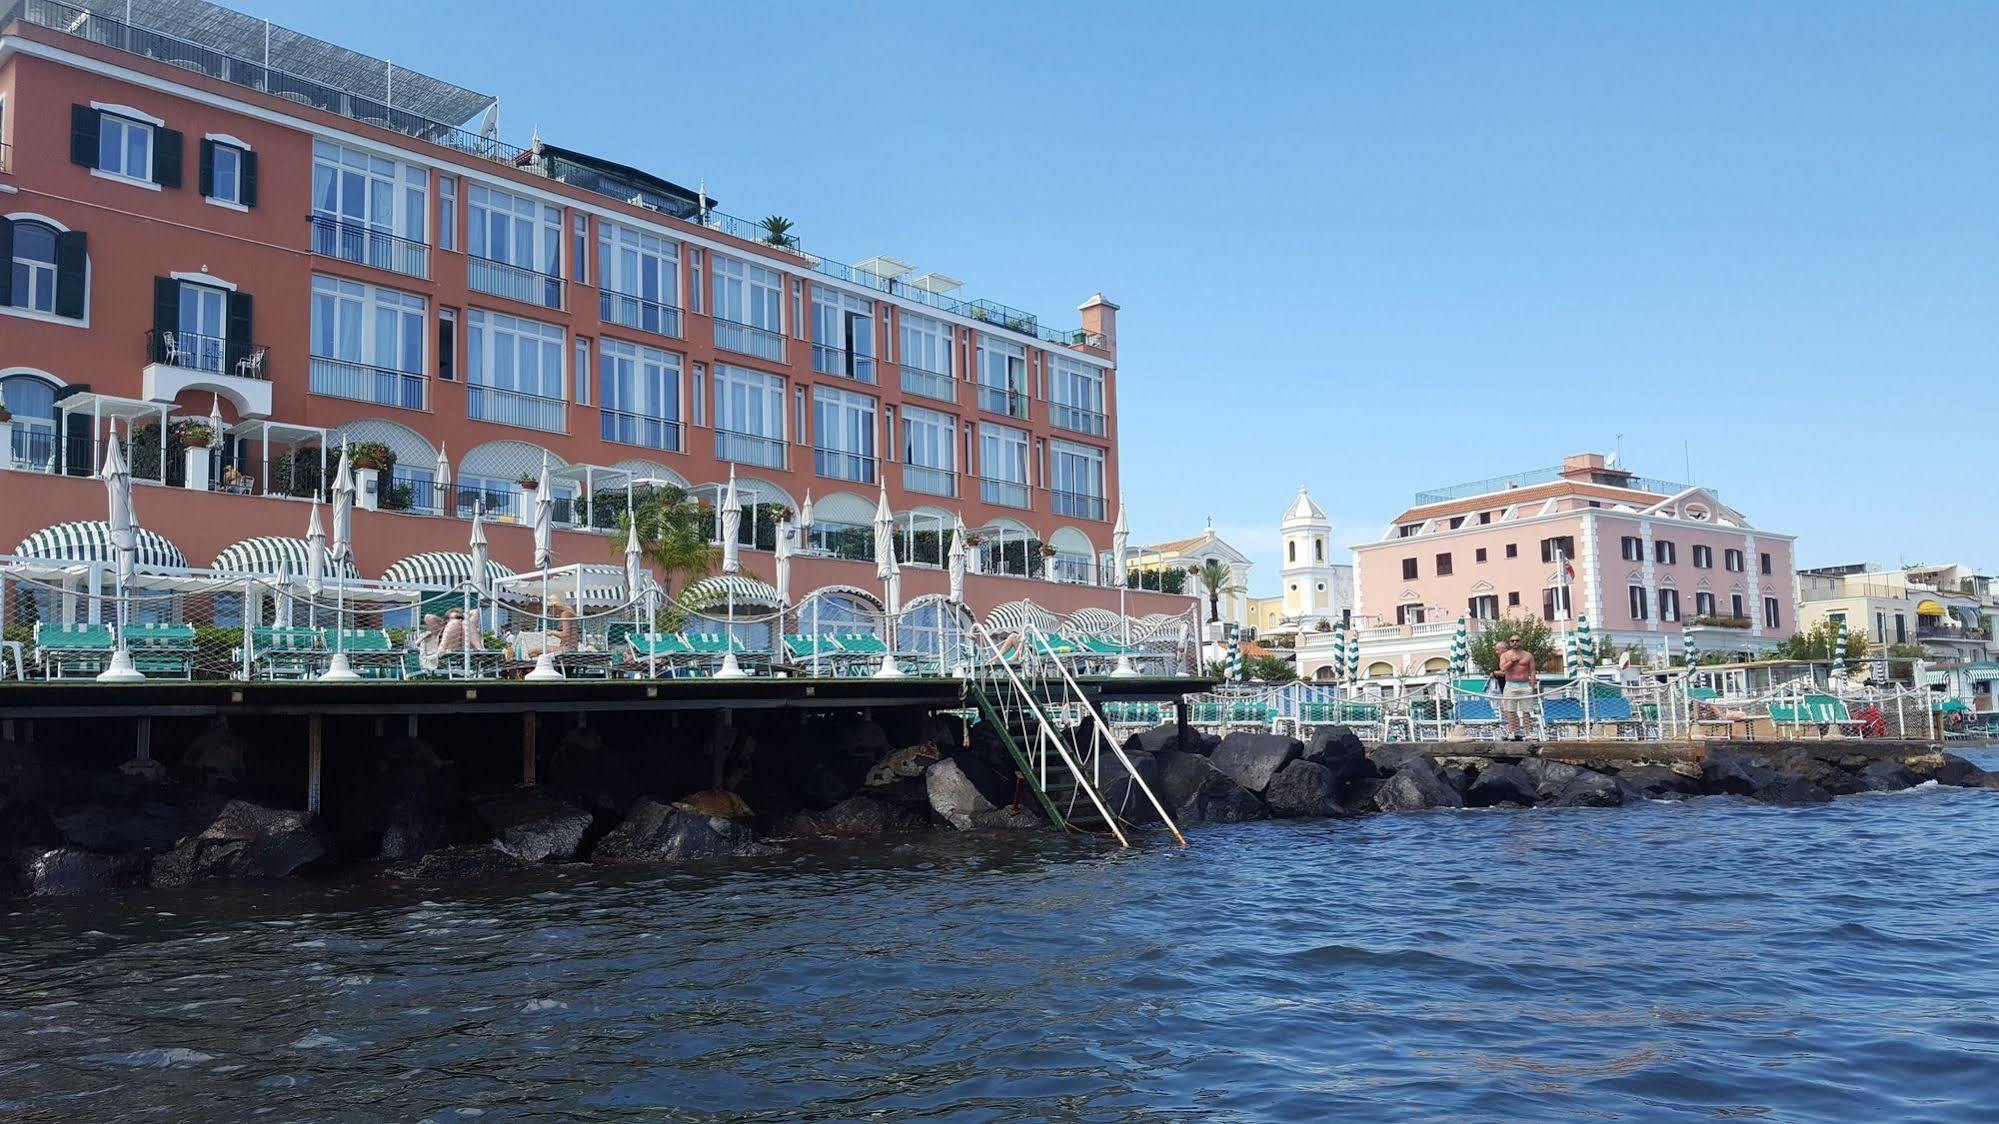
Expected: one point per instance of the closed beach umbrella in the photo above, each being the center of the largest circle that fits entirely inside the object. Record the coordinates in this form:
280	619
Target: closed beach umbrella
441	475
1689	650
1120	539
124	527
544	523
1460	647
480	551
1340	650
1839	651
1585	644
890	574
957	563
805	520
784	533
1353	656
315	552
1569	658
635	566
343	509
732	525
1233	666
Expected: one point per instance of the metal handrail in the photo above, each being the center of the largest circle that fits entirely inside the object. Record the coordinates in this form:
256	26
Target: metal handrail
335	237
1045	732
1101	730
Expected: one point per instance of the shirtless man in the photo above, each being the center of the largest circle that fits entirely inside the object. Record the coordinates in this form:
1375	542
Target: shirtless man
1516	665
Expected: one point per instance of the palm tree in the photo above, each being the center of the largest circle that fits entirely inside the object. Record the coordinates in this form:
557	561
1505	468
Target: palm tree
777	230
1216	577
673	535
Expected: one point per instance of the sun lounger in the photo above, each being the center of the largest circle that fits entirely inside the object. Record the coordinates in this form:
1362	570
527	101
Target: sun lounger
71	651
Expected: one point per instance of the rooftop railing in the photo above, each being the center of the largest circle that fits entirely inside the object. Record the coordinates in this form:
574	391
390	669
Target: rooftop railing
177	51
1532	476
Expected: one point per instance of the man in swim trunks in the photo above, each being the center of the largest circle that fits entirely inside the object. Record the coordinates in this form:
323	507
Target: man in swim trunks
1516	666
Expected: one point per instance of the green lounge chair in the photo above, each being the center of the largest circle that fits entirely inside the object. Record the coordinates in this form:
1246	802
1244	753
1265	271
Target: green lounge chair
70	651
163	651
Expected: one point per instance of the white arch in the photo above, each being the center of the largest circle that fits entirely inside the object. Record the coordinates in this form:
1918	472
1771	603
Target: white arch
651	470
88	274
843	507
32	216
506	460
873	600
1380	668
409	446
751	490
1071	540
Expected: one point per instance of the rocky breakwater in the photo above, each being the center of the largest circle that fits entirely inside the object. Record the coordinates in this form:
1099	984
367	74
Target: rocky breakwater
1247	776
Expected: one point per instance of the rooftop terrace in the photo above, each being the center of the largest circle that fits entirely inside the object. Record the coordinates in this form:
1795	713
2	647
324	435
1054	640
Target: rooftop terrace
257	54
1493	484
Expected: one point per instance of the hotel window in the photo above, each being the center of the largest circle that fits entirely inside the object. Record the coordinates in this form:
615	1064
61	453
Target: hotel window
1555	603
843	433
1477	555
1639	602
1771	617
1731	560
1703	604
200	327
1443	565
748	309
1665	553
367	344
1002	378
1484	517
1669	604
1408	569
929	451
1076	482
1291	554
639	389
926	345
447	212
1318	550
1409	614
1703	557
1076	396
749	416
843	334
580	224
369	209
1633	546
1407	530
228	173
1002	465
638	275
514	371
124	147
447	344
1513	600
1735	607
514	246
1484	607
1513	550
1901	628
47	268
581	350
1561	546
1768	563
1457	521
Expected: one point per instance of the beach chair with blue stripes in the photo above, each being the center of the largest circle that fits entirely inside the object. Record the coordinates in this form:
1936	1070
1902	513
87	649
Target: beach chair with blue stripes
162	651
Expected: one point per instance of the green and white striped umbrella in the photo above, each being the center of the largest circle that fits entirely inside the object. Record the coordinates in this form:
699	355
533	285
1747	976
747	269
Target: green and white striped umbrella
1688	649
1839	652
1585	644
1460	647
1234	664
1353	657
1570	661
1340	650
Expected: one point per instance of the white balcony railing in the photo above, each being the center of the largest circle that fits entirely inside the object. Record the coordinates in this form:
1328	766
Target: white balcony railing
511	407
930	481
383	386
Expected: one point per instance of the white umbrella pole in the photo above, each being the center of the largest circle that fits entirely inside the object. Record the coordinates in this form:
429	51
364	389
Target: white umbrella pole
1124	668
544	664
730	669
339	670
121	669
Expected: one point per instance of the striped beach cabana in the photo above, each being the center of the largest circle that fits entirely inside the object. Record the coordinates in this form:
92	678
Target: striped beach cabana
272	556
1015	616
1093	621
749	593
89	540
442	569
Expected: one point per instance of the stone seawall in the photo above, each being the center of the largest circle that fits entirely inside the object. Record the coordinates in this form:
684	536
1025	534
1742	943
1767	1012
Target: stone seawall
222	803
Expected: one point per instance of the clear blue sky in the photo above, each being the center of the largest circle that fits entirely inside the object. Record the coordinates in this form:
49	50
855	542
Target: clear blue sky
1375	248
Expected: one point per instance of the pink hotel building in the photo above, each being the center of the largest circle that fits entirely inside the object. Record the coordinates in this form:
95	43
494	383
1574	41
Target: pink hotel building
1651	559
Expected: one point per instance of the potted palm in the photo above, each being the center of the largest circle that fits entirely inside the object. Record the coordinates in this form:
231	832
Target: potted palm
777	232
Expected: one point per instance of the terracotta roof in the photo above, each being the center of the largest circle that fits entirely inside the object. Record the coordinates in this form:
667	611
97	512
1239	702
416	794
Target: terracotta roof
1176	545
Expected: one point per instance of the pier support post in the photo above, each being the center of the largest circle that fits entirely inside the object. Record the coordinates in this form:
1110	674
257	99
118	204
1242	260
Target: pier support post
142	763
527	749
313	746
1180	720
409	726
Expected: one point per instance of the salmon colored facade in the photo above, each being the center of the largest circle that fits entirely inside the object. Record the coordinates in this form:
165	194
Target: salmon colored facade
599	331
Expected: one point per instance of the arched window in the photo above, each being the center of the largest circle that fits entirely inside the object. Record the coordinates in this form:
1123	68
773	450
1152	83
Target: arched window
34	267
32	401
1291	552
1318	550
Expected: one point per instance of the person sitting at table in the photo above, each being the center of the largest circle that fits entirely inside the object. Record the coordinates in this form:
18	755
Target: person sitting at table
564	633
234	481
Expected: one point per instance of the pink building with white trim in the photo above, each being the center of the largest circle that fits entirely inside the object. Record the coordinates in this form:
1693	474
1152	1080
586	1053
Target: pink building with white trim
1650	559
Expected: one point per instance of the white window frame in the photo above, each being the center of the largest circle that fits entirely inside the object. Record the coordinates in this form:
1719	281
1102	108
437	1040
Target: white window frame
233	196
1071	463
1078	387
843	334
489	332
376	308
643	383
924	342
843	432
407	188
533	230
127	127
749	403
40	275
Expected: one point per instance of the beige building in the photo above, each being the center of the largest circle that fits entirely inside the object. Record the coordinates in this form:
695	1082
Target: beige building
1948	610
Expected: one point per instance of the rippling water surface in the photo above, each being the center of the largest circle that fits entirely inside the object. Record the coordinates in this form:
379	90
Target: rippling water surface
1709	959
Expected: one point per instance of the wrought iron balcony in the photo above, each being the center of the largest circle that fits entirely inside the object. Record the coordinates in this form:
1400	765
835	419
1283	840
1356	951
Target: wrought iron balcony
1081	505
216	355
512	407
334	237
1000	400
748	339
504	279
829	360
929	384
640	429
839	465
749	448
383	386
1005	493
638	312
1082	420
930	481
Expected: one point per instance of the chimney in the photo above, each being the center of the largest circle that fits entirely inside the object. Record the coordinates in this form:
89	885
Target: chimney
1100	317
